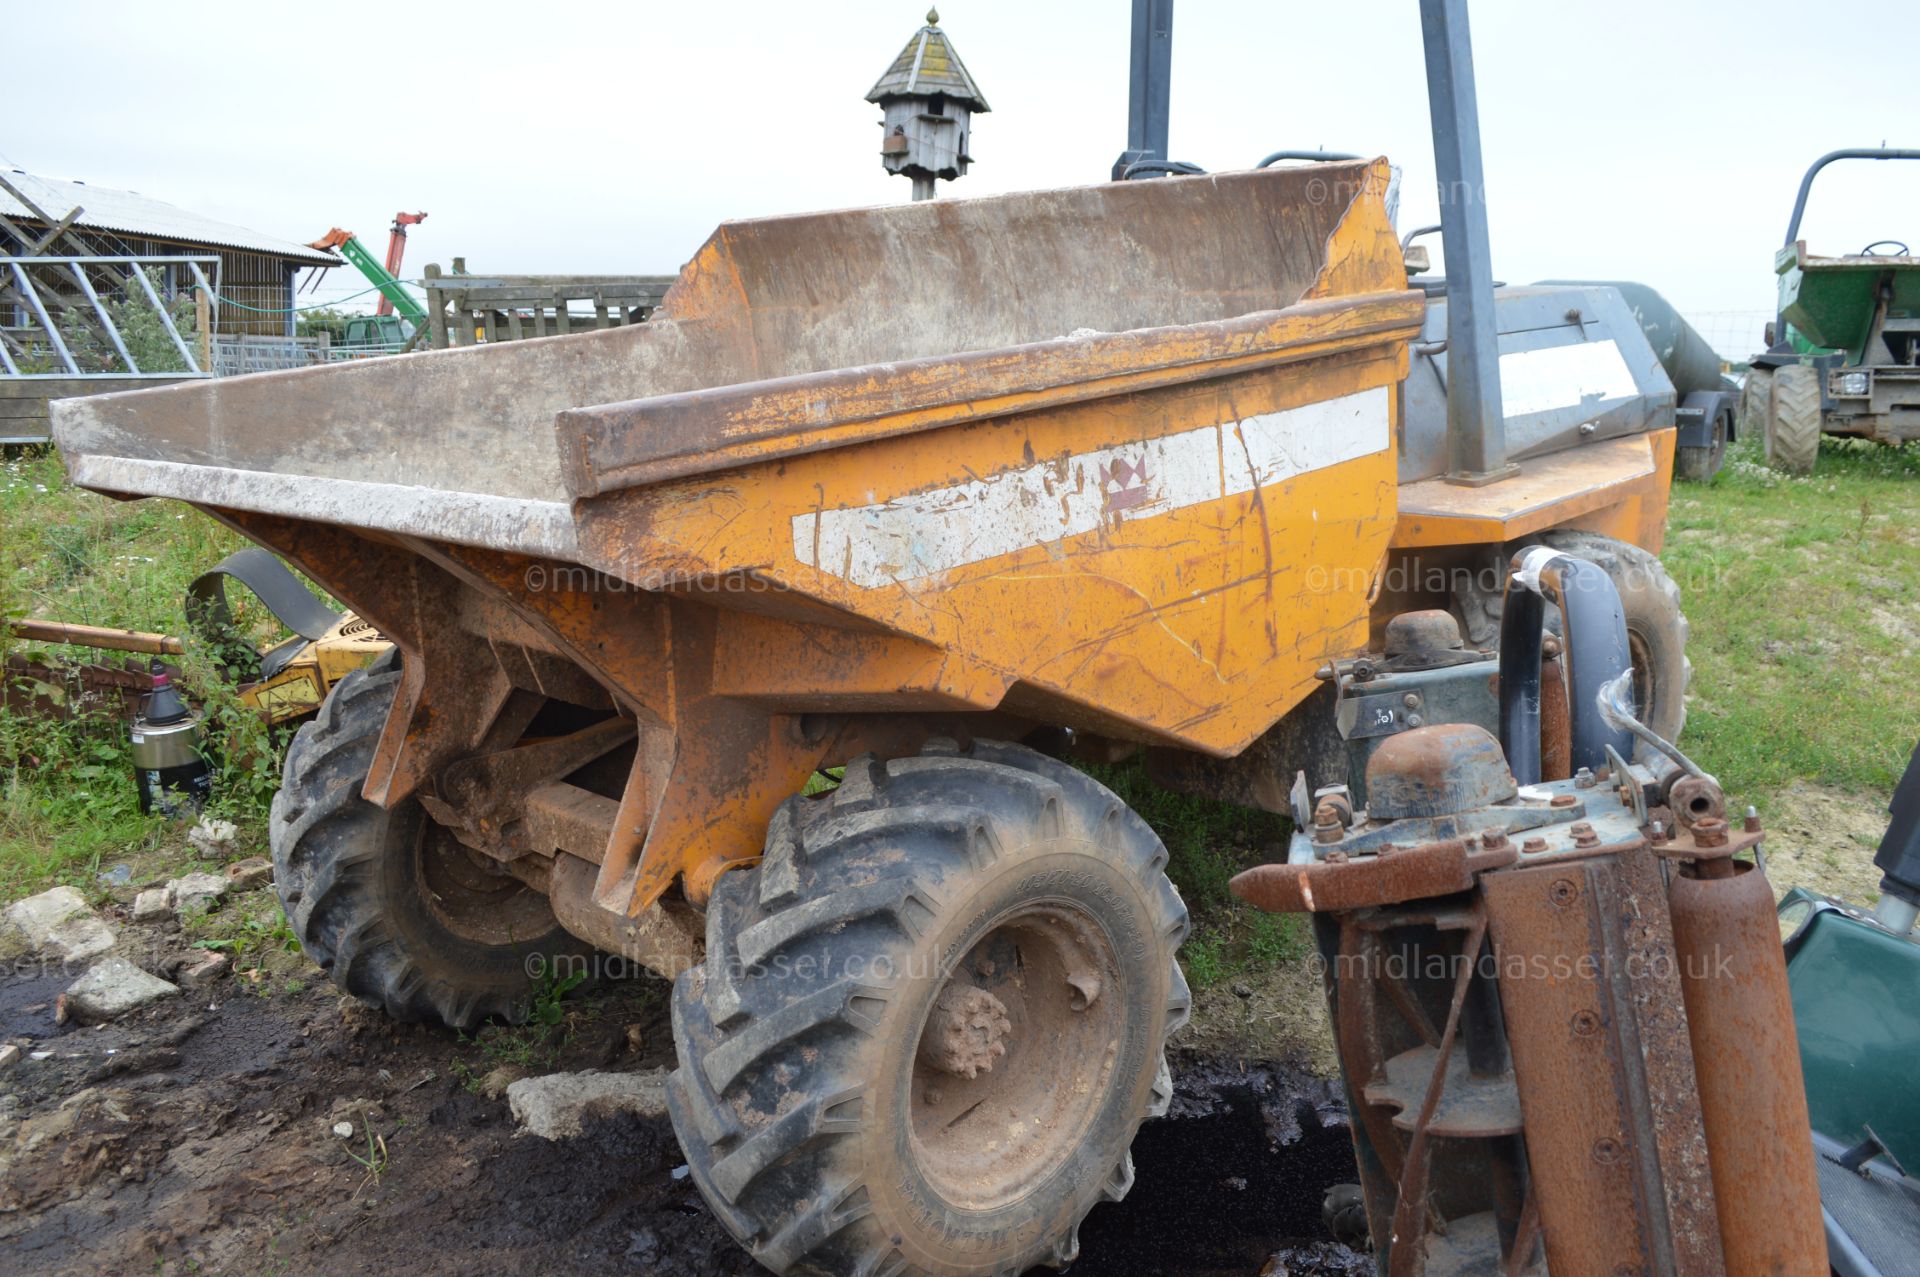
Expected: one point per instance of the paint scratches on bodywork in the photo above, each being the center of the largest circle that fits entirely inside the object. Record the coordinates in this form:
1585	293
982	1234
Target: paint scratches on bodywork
928	533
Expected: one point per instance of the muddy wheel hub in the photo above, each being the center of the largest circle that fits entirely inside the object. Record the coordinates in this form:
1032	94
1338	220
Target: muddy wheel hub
966	1032
468	900
1015	1055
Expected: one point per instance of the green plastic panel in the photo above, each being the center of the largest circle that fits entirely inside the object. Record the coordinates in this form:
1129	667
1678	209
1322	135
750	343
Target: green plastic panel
1856	1006
1829	302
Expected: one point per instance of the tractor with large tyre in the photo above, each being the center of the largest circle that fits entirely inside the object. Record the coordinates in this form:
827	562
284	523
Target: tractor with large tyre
1843	352
741	643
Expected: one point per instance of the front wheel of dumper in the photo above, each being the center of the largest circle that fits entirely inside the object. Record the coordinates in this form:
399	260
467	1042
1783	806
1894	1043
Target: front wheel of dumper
393	909
931	1019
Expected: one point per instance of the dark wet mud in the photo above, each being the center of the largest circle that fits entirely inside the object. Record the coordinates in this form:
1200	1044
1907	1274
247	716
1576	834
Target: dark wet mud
196	1137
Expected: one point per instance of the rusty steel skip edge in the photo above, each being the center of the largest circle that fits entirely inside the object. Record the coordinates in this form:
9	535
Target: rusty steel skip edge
1752	1095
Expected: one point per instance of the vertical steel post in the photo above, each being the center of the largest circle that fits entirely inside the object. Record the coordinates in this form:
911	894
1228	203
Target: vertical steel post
1149	76
1476	423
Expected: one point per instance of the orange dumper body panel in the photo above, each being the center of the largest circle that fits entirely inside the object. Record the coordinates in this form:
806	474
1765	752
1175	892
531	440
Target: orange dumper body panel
1120	458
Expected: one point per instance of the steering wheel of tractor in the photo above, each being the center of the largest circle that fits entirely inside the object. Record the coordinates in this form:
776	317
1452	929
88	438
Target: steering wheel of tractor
1901	250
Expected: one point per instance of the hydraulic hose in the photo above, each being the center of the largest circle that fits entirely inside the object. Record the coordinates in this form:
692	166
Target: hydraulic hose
1594	632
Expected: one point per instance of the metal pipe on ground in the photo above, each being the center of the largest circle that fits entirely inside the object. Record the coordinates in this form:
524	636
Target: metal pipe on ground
1753	1099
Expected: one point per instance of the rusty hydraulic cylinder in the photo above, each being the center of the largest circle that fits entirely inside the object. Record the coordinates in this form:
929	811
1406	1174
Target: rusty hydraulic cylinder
1754	1102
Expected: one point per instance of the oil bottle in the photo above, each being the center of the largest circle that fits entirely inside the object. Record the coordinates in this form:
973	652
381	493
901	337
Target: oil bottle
169	767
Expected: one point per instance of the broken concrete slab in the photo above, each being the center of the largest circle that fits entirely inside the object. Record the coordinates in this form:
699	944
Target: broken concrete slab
245	875
58	924
112	988
555	1106
196	892
203	969
151	905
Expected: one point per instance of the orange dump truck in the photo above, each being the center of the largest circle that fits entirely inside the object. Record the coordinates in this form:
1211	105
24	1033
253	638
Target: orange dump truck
895	495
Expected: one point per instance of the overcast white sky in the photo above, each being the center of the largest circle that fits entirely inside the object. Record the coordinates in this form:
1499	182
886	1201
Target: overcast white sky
1659	141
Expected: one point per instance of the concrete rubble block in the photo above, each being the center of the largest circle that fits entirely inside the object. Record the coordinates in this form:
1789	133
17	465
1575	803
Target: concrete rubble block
196	892
112	988
245	875
203	969
556	1106
58	924
151	905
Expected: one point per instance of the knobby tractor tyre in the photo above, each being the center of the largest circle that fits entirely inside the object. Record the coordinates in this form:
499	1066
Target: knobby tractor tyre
931	1020
386	902
1793	421
1656	627
1756	401
1697	465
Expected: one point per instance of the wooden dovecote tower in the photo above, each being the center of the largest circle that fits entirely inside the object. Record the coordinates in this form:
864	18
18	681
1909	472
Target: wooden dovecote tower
928	101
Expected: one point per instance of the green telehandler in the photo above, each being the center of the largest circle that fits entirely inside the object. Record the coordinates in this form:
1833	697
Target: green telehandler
399	316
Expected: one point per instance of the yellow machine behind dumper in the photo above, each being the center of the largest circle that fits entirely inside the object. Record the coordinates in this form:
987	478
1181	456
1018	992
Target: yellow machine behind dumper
889	491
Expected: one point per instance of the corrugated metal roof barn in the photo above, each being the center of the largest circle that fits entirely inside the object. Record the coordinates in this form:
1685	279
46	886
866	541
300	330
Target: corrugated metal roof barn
257	271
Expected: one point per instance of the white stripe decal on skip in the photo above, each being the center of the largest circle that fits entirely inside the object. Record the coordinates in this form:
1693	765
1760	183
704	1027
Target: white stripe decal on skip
936	531
1591	372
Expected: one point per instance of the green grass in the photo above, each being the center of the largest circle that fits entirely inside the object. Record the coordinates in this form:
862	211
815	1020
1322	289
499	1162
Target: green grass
67	802
1804	600
1208	843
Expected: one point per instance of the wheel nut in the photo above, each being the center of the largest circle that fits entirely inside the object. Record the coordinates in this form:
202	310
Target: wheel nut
1534	845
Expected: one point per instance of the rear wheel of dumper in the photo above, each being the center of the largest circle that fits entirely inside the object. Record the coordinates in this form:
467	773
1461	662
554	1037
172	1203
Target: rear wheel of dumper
931	1019
1656	627
387	902
1793	420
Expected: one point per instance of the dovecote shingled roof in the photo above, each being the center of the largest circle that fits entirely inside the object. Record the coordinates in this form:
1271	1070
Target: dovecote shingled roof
929	65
